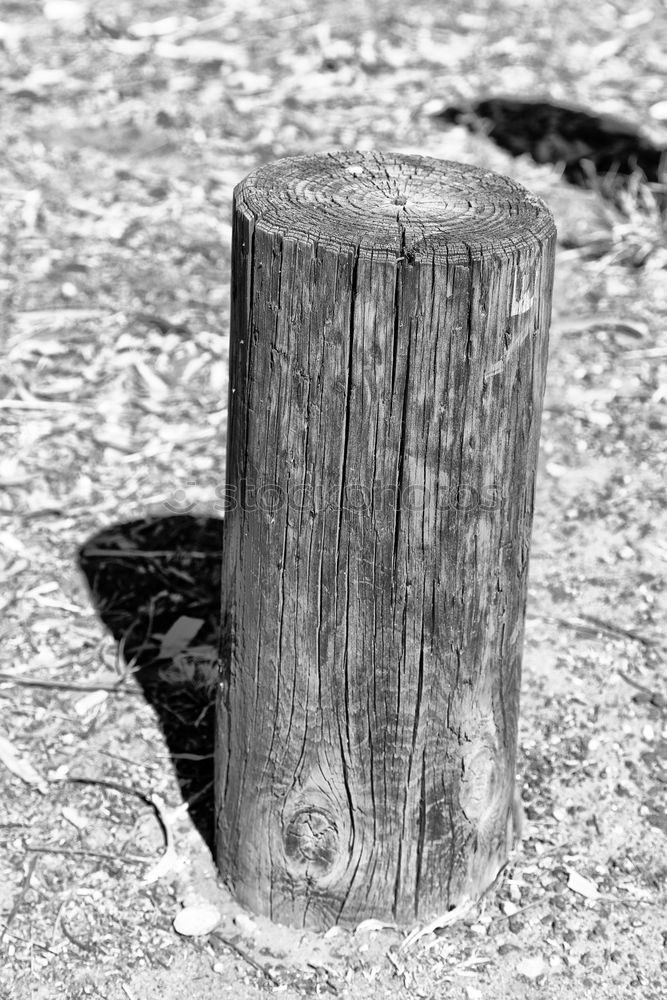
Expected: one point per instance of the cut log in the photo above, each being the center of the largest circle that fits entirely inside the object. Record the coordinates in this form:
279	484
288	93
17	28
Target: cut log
388	353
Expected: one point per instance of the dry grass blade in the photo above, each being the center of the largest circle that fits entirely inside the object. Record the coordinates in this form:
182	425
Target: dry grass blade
453	916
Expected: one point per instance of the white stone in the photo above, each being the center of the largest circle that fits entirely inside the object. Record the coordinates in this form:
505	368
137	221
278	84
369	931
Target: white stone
532	967
196	921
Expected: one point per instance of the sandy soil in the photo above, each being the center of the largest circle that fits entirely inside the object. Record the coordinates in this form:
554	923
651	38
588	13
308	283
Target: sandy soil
123	132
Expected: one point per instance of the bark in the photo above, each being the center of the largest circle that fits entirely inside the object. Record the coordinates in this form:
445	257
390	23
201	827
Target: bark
388	353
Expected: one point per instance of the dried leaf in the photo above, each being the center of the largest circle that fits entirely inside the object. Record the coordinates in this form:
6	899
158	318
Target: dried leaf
202	50
179	636
366	926
90	703
46	348
74	817
64	10
154	29
583	886
33	319
19	766
153	382
11	542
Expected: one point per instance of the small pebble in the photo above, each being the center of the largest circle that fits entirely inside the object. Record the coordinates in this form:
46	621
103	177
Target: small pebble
659	110
473	993
505	949
555	470
532	967
197	920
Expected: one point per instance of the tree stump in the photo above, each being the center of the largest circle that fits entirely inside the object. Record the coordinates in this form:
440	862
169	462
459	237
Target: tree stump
389	336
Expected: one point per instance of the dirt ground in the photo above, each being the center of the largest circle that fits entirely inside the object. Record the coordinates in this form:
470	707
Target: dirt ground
123	131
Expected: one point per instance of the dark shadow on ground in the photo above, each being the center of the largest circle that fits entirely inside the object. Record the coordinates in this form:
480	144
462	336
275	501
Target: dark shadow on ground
145	577
598	151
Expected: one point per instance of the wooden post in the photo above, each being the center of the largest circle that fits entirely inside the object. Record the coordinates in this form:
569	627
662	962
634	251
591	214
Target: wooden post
388	351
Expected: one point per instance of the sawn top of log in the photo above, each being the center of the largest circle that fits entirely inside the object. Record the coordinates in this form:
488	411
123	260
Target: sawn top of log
412	207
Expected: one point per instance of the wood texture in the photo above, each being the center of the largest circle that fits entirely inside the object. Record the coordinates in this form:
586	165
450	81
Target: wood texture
388	353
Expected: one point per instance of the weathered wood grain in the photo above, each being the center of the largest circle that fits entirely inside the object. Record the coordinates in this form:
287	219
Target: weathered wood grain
388	354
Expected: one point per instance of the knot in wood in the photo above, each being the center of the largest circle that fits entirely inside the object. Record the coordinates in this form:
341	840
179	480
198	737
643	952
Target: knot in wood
311	841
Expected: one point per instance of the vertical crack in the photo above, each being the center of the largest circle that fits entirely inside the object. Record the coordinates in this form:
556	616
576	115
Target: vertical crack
401	446
348	404
421	834
397	880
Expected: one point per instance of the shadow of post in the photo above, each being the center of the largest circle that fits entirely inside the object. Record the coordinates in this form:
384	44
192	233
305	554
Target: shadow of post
156	578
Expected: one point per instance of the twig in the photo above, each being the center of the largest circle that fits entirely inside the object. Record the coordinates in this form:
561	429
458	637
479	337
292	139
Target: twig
202	793
327	975
655	698
634	683
68	685
70	852
73	939
147	798
593	625
617	630
166	862
128	760
36	404
647	352
528	906
444	920
155	802
31	943
242	953
147	634
452	916
146	554
190	756
20	897
322	969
